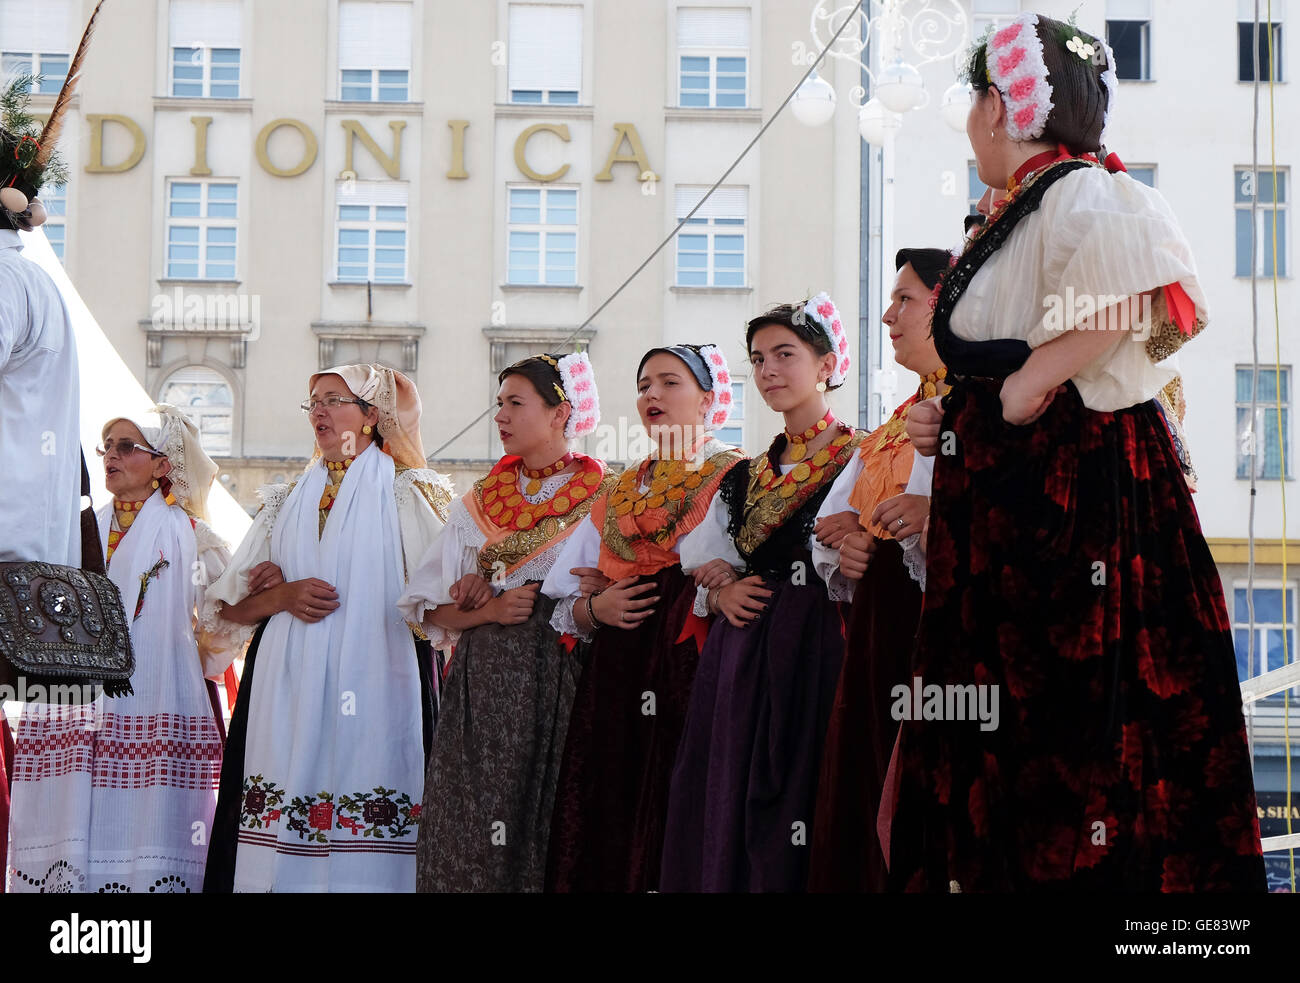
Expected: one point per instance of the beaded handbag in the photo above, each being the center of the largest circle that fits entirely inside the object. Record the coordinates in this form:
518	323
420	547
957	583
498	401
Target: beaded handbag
64	636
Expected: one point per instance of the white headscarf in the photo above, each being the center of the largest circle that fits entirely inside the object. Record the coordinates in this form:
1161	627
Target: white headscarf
171	433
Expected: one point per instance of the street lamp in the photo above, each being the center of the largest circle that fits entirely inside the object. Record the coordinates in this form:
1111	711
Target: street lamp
814	101
892	41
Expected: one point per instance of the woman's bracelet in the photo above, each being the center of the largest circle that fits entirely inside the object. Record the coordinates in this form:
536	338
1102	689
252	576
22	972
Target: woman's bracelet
596	623
711	600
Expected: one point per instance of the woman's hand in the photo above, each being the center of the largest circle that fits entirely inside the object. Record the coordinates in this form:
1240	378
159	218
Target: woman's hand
902	515
743	601
715	573
624	604
924	421
590	580
1020	404
263	577
471	592
830	530
309	600
855	554
514	606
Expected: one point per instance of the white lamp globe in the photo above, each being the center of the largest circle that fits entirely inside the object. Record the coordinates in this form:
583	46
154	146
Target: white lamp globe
900	87
875	122
956	105
814	101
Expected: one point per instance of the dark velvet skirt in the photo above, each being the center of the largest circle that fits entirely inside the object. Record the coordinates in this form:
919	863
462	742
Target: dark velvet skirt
219	875
608	827
489	790
741	805
1067	568
879	638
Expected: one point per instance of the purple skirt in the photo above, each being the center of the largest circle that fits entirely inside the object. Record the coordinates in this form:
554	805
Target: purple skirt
740	806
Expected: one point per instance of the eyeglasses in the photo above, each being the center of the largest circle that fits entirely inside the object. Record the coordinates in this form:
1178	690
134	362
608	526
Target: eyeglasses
329	402
124	448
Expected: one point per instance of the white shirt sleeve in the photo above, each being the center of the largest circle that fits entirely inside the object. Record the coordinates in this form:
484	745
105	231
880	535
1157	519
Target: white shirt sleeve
922	475
231	586
446	560
706	542
826	561
581	549
219	641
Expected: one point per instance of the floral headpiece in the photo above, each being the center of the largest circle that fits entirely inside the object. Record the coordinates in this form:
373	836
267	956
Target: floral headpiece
716	363
1014	63
821	310
579	382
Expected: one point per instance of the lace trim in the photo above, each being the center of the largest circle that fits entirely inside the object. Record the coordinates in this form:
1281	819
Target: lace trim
701	607
272	497
534	569
207	538
434	487
562	619
914	559
839	587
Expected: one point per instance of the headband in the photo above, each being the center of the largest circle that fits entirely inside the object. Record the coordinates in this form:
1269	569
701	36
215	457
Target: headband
709	368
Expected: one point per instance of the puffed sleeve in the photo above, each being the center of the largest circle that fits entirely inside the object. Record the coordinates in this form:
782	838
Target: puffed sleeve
424	498
231	585
581	549
826	561
447	559
1107	238
706	542
219	641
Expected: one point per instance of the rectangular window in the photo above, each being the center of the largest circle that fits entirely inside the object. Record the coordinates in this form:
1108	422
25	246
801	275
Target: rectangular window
374	51
371	233
1145	173
1271	623
1270	221
55	200
734	432
542	234
1267	434
1245	58
1130	40
711	246
545	53
713	58
205	48
975	189
202	229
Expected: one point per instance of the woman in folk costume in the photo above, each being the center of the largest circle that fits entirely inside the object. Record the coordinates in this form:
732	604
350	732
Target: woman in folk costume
870	524
1066	564
741	799
117	795
619	583
325	766
490	785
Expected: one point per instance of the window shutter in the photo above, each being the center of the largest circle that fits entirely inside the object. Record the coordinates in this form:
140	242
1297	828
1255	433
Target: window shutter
703	27
724	203
374	35
545	47
37	26
206	23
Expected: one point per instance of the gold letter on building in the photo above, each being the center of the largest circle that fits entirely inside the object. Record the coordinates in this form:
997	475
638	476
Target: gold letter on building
626	131
458	127
561	130
96	164
308	149
201	124
353	131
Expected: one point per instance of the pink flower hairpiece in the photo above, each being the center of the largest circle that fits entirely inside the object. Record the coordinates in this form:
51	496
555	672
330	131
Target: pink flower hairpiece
1016	67
719	372
579	383
823	312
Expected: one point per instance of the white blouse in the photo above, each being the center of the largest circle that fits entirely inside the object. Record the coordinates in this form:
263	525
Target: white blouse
454	554
1096	237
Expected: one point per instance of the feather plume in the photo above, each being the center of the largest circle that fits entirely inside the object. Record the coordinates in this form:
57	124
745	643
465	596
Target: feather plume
50	135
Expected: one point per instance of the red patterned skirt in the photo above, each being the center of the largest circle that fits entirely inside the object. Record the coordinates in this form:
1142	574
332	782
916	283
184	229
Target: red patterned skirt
1067	569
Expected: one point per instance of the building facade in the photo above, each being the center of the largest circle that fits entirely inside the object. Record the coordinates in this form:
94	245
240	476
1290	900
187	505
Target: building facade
263	188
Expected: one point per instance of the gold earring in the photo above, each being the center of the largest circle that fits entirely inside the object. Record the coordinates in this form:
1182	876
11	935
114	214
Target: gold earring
366	430
155	482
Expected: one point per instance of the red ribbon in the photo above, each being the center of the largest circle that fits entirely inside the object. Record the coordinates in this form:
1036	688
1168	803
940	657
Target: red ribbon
694	627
